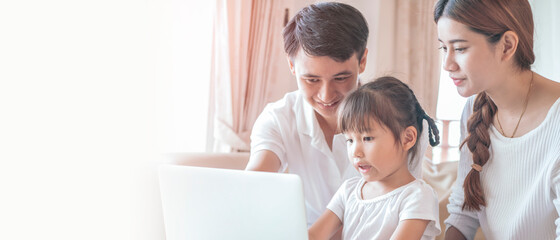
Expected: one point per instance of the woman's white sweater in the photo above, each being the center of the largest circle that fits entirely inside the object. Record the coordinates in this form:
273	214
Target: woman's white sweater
521	183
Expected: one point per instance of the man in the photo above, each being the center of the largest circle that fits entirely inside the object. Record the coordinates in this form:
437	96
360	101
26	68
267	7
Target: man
326	49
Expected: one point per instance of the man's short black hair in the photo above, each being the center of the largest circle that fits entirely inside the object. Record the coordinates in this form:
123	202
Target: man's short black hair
332	29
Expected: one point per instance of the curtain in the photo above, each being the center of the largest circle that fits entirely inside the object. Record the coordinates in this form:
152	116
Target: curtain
246	72
403	43
249	66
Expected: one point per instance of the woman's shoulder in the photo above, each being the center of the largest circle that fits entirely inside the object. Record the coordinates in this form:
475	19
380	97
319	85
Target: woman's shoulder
469	104
550	120
468	108
545	95
554	110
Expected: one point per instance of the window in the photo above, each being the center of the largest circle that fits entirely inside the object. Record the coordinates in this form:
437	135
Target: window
448	113
183	84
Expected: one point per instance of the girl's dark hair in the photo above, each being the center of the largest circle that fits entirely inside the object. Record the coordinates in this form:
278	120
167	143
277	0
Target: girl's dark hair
332	29
391	103
492	19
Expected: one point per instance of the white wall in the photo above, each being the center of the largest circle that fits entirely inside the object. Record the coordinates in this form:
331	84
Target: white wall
82	85
547	38
77	119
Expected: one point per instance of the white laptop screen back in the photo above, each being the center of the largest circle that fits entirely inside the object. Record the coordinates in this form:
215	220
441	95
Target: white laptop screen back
210	203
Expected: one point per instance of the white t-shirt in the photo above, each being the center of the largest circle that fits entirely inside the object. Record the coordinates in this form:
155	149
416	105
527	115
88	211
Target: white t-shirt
379	217
521	183
290	129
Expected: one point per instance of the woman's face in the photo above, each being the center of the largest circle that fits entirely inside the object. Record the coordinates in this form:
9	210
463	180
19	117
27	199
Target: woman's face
472	62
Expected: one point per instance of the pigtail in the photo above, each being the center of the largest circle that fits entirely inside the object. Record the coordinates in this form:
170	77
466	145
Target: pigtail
396	107
433	131
478	142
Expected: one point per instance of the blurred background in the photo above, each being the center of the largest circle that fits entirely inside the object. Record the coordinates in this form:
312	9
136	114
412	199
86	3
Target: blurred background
93	93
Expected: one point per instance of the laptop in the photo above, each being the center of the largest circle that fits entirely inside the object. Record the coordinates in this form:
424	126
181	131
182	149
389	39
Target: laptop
211	203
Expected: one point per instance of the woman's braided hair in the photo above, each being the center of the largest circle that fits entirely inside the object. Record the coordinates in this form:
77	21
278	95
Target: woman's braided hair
491	19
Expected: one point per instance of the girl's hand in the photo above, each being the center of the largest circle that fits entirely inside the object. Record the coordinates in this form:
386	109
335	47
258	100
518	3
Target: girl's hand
325	227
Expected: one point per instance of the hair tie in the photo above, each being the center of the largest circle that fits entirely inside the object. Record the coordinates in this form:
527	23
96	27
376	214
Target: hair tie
476	167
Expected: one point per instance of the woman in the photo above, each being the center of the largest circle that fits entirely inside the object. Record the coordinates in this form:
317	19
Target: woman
508	180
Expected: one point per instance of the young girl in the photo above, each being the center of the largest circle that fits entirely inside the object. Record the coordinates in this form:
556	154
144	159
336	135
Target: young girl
508	181
381	122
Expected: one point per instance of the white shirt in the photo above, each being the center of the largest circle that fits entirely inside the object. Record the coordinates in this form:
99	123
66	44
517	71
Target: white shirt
521	183
290	129
379	217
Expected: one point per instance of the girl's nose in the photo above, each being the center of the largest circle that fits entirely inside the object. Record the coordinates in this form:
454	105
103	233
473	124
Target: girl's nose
356	151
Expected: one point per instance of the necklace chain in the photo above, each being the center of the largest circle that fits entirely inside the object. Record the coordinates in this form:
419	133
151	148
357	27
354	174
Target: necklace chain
523	112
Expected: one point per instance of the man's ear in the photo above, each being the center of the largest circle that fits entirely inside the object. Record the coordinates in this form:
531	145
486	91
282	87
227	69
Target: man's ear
408	137
291	64
508	43
363	61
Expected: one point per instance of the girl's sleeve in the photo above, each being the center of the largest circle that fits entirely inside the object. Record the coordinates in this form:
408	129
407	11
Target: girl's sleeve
465	221
421	202
338	201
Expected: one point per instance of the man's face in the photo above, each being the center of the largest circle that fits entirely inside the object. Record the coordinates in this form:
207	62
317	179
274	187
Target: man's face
325	82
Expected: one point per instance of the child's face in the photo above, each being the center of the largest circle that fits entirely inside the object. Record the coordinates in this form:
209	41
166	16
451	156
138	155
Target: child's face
325	82
376	154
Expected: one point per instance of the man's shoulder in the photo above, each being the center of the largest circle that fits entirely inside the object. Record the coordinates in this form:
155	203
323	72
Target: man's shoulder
288	104
282	113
